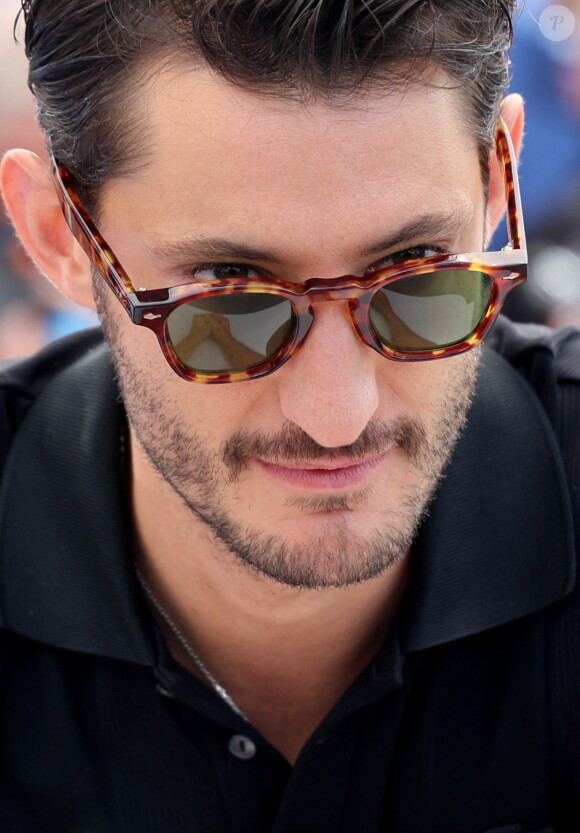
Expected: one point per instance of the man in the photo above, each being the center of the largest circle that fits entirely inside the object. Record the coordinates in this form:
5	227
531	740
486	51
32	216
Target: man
304	561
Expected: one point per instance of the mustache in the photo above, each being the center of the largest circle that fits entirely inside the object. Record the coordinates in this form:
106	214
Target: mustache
293	445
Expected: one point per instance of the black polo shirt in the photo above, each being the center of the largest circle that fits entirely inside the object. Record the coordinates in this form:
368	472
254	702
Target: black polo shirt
465	722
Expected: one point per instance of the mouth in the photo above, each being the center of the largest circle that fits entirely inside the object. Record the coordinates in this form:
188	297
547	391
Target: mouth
324	475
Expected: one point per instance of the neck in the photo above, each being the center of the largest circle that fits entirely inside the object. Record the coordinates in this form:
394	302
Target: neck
284	655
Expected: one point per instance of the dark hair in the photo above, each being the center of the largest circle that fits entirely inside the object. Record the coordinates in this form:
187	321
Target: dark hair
83	56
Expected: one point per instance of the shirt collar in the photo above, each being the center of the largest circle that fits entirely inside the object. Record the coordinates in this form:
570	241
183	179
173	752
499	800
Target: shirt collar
499	541
497	545
65	534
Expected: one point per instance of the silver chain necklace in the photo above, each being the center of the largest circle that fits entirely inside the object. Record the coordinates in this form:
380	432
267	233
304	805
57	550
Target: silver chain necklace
197	661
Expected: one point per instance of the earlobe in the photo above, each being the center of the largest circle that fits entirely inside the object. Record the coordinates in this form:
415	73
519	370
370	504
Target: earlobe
512	113
33	206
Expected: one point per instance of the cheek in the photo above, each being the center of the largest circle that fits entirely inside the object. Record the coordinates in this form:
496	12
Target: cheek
150	384
429	390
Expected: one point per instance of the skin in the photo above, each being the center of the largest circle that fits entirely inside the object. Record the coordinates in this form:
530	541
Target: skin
285	587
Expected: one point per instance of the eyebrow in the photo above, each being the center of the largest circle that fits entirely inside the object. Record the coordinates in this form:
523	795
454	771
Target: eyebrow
426	228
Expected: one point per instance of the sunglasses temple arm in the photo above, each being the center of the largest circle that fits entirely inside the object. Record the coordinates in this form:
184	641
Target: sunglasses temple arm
514	202
87	237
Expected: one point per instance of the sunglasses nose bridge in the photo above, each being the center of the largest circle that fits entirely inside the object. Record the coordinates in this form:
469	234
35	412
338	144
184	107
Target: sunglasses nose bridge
334	290
357	300
336	295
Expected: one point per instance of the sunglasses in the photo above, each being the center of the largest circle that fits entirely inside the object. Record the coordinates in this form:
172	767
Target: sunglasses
236	328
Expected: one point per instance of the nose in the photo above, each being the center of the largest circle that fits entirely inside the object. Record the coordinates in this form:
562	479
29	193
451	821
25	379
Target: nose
329	388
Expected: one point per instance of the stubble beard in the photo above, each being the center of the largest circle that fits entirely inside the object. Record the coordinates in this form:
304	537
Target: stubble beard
338	556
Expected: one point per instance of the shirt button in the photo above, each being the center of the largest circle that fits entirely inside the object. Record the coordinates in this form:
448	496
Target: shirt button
242	747
329	740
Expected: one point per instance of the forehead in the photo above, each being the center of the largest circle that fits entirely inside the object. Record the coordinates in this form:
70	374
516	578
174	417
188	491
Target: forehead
222	156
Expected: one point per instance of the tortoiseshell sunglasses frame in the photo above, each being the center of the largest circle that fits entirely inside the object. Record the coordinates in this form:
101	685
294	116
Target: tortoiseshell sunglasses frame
151	308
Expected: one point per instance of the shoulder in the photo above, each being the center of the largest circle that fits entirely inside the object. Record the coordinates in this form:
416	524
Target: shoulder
21	381
529	346
30	374
549	361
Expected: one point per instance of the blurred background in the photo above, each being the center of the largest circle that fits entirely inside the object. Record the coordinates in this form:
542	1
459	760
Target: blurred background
32	311
545	70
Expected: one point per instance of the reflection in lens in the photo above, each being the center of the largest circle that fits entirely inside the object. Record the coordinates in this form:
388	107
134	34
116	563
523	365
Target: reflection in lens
230	333
425	312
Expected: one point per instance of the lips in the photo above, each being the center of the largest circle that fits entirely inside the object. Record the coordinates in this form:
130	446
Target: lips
326	475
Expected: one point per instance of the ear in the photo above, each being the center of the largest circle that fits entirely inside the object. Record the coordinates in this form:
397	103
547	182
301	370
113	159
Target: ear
512	112
32	204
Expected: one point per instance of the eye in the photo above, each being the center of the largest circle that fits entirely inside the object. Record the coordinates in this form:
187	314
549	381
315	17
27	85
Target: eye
223	271
412	253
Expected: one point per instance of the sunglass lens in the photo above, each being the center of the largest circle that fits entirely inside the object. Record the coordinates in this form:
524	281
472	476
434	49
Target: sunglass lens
230	333
426	312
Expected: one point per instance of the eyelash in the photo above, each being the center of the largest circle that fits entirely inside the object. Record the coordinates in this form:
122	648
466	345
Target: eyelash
412	253
207	267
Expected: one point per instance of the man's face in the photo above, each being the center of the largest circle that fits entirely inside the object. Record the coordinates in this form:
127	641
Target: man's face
318	474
